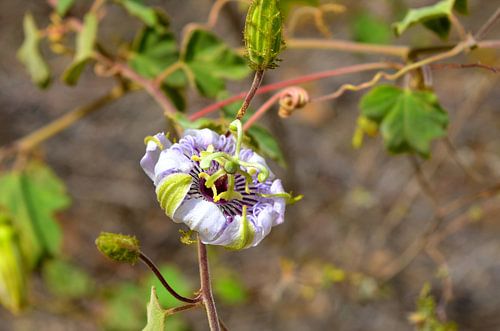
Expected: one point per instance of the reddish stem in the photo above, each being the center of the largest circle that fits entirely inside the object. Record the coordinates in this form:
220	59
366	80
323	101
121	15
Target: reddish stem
296	81
262	110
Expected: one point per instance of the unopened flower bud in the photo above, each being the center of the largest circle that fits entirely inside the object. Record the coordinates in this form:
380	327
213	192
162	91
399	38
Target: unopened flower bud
118	247
263	34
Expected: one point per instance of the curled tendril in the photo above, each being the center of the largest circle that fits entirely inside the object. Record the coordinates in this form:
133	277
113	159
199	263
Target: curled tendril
291	99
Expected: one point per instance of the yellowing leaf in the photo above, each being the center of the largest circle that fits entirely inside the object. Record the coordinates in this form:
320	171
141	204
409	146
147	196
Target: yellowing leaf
12	273
84	48
29	53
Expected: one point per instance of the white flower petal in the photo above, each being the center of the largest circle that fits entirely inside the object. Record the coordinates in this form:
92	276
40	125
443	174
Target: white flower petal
201	216
171	160
230	233
152	155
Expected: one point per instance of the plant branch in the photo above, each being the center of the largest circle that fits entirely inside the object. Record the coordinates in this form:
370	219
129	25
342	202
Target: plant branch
349	46
148	84
180	309
257	80
206	288
296	81
36	137
487	25
147	261
459	48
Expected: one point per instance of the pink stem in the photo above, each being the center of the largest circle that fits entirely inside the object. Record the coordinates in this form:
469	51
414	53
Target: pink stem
296	81
262	110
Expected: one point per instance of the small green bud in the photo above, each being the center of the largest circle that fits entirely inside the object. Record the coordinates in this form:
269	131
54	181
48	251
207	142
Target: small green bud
118	247
263	34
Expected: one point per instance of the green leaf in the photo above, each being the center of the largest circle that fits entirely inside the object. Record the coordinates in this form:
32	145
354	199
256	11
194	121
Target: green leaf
230	289
63	6
124	307
266	144
138	9
153	51
409	120
66	280
85	41
461	7
29	53
200	123
435	18
156	314
368	28
31	198
211	62
172	191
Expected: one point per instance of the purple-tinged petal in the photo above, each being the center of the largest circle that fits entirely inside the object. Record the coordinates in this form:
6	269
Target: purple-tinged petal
279	204
203	137
263	224
171	161
153	150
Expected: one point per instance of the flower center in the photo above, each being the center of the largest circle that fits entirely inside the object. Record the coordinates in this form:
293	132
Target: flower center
220	184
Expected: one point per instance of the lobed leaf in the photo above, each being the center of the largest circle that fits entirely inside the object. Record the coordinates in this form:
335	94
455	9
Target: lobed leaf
154	50
409	120
212	61
29	53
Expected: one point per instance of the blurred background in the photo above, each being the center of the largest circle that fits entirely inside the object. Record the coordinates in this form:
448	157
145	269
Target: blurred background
336	263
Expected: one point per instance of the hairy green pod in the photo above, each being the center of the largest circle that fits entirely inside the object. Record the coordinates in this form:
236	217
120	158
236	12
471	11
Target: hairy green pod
263	34
119	247
12	271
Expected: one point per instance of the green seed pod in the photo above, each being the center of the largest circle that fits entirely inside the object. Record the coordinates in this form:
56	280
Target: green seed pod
12	273
263	34
118	247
